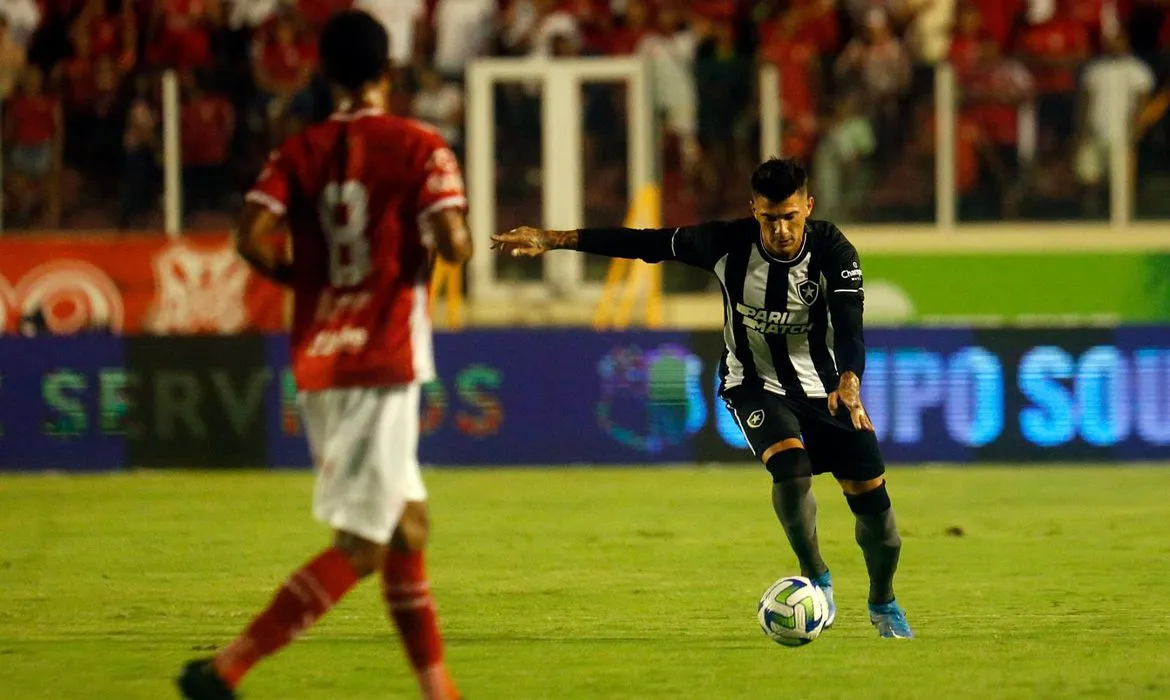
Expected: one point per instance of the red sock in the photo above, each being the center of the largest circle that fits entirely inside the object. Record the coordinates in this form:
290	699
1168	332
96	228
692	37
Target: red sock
306	596
408	596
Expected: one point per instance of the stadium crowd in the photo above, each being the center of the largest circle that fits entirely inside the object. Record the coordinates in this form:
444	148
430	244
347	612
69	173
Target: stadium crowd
82	108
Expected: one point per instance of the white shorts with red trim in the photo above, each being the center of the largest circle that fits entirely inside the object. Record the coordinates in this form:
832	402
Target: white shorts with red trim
365	449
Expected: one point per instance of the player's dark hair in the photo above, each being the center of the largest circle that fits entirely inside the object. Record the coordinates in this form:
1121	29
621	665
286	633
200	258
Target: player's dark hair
777	179
354	49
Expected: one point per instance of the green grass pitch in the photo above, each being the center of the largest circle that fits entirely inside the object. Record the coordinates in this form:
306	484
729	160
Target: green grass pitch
599	583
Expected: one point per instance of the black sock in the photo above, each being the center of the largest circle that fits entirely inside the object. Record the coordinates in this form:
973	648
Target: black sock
796	508
877	533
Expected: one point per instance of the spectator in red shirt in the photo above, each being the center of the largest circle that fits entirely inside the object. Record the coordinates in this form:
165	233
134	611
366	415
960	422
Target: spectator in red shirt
32	132
637	23
181	33
282	67
999	17
994	92
790	42
1053	51
318	12
208	124
108	33
966	44
818	19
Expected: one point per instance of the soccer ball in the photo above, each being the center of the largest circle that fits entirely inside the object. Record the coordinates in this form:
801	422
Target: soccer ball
793	611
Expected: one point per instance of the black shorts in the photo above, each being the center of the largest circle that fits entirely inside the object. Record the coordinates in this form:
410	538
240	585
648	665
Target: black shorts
833	444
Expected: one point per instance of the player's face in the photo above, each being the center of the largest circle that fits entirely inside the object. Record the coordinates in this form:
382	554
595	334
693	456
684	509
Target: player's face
782	223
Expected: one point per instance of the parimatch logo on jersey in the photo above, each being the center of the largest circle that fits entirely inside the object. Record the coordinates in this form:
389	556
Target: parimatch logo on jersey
773	322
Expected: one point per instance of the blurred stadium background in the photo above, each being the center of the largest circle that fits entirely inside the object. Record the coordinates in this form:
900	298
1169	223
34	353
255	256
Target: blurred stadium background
1003	167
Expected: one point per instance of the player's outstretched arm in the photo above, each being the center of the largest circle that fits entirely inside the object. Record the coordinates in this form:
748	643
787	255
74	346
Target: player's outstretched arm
452	238
533	242
651	245
254	243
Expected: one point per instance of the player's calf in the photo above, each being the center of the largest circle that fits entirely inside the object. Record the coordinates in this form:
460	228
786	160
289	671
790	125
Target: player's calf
408	599
301	600
795	507
877	535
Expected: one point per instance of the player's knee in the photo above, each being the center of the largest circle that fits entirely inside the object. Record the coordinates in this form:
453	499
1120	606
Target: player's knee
789	464
364	556
413	528
875	520
872	501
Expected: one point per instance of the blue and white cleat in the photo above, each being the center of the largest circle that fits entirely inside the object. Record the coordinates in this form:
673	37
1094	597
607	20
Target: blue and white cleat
825	583
890	620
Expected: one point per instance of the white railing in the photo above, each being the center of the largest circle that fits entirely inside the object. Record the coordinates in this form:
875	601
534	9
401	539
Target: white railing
562	160
563	177
946	103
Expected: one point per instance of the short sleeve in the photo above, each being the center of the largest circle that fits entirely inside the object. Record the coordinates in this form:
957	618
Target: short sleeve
1143	77
842	267
273	188
442	179
700	246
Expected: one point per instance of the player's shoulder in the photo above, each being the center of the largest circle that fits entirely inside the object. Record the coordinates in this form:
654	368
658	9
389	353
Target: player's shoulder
421	144
307	145
825	235
406	130
729	229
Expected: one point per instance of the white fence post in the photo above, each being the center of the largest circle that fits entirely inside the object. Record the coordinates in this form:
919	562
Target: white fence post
172	156
771	111
945	107
562	172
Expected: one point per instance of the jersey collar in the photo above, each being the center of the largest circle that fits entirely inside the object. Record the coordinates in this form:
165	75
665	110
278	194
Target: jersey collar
777	261
363	112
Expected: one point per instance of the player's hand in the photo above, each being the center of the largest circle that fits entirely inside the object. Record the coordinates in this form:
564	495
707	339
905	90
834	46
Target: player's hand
848	394
523	241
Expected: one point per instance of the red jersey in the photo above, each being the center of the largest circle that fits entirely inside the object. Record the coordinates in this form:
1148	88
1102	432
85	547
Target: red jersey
318	12
33	119
1058	38
206	132
356	190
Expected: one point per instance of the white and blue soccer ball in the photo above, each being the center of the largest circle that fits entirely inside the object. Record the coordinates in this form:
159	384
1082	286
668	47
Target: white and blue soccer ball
793	611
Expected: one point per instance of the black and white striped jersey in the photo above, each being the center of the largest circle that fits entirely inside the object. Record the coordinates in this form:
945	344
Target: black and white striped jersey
777	326
790	327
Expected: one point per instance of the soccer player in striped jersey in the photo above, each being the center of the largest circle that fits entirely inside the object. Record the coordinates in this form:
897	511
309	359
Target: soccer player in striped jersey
795	356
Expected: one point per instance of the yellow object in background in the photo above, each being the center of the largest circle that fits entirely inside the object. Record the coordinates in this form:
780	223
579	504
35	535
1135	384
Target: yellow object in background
627	278
449	278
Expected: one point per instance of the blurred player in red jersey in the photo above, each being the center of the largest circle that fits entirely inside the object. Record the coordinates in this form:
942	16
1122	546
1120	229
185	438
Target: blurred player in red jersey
367	198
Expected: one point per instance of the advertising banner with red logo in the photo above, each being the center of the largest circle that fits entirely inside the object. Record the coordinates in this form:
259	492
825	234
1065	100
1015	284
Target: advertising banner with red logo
132	284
